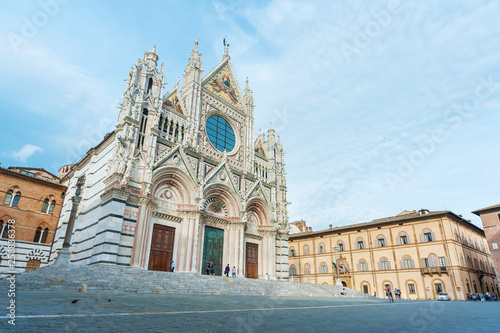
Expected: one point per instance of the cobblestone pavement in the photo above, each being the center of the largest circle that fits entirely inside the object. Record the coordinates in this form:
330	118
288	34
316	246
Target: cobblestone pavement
107	312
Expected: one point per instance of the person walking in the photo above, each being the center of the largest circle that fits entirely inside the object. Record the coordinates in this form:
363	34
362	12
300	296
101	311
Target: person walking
389	293
208	268
234	271
172	266
212	268
226	271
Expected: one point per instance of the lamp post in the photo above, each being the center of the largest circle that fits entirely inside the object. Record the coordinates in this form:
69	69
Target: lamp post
65	254
337	249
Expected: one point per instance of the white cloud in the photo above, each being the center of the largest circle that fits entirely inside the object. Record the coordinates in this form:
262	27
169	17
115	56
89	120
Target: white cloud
26	152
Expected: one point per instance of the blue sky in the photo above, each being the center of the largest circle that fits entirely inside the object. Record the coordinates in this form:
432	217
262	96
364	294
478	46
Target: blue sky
381	106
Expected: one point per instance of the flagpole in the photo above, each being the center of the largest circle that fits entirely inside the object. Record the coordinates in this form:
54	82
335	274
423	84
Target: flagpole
337	248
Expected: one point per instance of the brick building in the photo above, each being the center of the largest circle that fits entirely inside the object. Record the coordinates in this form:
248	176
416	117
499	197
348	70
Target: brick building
421	253
31	197
490	217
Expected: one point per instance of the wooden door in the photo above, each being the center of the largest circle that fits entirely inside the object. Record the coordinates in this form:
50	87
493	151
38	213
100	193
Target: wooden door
162	248
213	246
252	261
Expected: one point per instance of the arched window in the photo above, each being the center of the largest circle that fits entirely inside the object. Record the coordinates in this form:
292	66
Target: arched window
150	85
362	265
52	205
432	261
45	206
32	264
464	239
323	268
427	236
293	270
457	236
482	265
4	229
476	265
403	238
321	248
307	269
38	234
407	263
306	250
142	128
462	260
384	264
12	197
45	233
360	244
292	252
381	241
341	246
469	262
470	242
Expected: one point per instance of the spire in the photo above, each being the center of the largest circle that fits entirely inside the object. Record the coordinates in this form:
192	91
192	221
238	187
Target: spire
151	57
226	49
247	90
270	134
196	55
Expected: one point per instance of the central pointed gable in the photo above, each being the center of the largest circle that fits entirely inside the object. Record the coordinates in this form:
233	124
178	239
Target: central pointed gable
222	83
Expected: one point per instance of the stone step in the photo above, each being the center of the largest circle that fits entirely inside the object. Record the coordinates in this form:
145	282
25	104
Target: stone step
105	278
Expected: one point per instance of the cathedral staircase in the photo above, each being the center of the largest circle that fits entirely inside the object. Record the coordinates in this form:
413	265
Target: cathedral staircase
110	279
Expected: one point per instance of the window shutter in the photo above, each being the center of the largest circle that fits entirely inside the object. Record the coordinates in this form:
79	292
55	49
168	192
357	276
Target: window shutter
422	238
359	268
423	262
433	236
398	240
379	266
385	242
366	266
388	265
412	263
402	264
408	239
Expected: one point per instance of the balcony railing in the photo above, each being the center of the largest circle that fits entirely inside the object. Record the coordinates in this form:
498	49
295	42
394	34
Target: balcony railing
434	270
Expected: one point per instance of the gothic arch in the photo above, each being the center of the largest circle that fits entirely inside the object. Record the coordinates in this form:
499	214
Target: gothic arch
36	254
226	195
259	212
173	185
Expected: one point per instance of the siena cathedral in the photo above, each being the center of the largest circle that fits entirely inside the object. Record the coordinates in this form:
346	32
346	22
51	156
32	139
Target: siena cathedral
182	178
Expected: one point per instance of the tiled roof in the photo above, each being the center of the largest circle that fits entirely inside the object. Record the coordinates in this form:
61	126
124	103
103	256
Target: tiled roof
391	219
478	211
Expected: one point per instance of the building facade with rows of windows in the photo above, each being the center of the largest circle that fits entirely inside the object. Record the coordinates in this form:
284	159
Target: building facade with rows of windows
31	204
421	253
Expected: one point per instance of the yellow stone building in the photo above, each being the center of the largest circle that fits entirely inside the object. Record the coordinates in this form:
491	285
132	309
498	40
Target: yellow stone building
421	253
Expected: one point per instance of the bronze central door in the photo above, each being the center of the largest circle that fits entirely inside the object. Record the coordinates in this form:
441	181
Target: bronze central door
252	261
213	246
162	248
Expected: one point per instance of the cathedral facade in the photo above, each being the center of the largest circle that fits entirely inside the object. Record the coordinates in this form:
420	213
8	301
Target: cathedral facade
182	178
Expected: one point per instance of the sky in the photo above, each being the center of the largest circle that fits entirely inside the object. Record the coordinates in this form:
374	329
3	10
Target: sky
381	106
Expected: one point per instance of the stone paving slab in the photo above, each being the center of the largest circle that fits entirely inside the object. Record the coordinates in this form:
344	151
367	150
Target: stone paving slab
111	312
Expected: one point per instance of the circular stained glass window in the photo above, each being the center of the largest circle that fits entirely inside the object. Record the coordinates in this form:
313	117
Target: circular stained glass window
220	134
